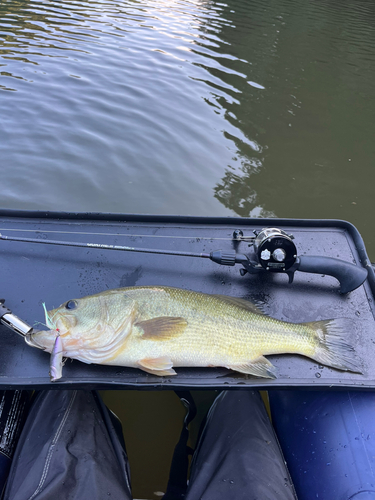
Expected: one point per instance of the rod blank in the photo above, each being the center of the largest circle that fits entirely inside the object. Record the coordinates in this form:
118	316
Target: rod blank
104	247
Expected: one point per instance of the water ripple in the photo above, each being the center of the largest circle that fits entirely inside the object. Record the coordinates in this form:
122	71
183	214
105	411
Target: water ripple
183	106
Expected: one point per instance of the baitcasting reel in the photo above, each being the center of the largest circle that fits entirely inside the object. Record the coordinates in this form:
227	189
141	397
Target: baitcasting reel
273	250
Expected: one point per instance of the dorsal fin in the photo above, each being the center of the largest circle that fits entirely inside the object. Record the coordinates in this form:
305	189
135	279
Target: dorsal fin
241	303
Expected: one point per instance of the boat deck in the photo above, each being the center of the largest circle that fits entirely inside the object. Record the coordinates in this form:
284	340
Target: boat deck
35	273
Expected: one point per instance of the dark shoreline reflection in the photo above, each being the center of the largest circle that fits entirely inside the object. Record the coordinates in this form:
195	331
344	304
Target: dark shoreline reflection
307	98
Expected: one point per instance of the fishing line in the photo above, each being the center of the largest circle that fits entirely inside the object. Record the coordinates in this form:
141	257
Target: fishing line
228	258
40	231
104	247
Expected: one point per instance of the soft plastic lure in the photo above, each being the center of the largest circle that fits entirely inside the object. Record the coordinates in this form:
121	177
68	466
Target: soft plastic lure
56	360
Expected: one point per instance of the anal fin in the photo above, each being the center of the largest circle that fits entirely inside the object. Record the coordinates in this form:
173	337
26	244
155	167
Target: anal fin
260	367
157	366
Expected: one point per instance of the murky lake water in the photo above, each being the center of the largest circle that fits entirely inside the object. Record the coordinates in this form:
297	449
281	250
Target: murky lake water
189	107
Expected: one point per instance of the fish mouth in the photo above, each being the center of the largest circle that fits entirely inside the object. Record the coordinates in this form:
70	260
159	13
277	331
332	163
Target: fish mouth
30	340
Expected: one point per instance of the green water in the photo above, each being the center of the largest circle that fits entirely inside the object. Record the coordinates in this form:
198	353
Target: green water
189	107
199	107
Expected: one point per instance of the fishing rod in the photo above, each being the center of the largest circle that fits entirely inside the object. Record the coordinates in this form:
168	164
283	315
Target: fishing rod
271	250
224	258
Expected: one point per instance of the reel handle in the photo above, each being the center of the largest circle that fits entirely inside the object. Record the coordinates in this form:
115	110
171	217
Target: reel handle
349	275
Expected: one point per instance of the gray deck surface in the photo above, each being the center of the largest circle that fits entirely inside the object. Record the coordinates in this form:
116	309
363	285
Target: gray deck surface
32	274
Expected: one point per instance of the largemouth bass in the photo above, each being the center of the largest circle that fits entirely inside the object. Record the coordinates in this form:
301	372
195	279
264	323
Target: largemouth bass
158	328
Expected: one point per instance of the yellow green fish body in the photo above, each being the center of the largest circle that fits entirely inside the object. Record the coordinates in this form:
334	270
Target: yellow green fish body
158	328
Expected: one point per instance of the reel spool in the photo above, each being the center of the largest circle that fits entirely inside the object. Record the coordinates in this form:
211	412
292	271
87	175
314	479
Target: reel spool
275	249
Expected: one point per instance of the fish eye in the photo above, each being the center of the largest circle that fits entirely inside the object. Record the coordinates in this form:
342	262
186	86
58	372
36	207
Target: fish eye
71	304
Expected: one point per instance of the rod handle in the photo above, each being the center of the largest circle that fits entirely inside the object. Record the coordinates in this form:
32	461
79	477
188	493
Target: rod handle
349	275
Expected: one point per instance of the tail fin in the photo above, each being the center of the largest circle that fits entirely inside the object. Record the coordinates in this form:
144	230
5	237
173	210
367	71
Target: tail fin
332	350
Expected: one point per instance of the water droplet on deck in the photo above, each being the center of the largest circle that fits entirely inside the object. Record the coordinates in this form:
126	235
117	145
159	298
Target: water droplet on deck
318	375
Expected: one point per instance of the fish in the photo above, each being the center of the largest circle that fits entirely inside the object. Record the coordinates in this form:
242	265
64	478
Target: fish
159	328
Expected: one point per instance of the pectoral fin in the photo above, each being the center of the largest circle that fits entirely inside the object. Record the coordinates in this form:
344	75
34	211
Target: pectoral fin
157	366
162	328
259	367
